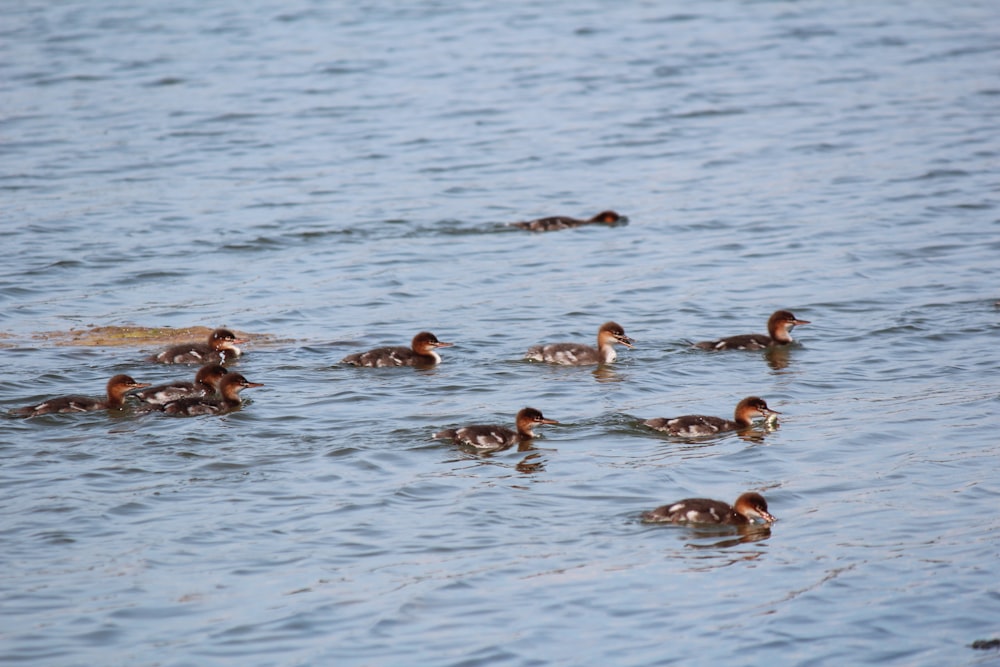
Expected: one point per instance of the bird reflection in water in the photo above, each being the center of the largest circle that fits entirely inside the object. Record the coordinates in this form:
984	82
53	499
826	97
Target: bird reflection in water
531	463
719	554
756	435
743	535
605	373
777	357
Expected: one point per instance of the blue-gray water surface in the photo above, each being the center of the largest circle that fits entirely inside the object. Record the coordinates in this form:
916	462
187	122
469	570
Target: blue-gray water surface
337	176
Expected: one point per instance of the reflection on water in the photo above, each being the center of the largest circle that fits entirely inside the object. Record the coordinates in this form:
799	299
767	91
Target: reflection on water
731	535
756	433
744	535
718	561
778	357
531	463
607	373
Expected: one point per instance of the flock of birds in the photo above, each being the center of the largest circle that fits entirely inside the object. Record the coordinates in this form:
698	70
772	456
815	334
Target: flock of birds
216	390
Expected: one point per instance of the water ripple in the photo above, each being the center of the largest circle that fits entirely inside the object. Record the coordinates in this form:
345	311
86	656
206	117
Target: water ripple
341	179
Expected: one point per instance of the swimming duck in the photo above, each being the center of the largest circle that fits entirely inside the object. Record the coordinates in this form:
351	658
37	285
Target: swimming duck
117	387
558	222
492	436
749	508
578	354
779	329
230	386
696	425
206	383
220	348
420	353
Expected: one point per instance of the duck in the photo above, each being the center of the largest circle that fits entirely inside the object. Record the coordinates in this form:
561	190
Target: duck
493	436
779	329
578	354
117	387
228	400
698	425
558	222
206	383
420	353
748	508
220	348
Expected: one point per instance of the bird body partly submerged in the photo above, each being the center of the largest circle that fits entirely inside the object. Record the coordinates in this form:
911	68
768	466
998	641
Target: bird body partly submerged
206	383
420	353
579	354
700	425
220	348
494	436
117	387
779	332
228	400
748	508
558	222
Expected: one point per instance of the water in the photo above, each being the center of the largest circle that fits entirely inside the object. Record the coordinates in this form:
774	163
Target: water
338	177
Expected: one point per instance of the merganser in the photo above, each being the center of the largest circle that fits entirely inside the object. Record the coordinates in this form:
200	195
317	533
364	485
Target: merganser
230	386
118	386
779	328
491	436
558	222
206	383
749	508
220	348
420	353
694	425
578	354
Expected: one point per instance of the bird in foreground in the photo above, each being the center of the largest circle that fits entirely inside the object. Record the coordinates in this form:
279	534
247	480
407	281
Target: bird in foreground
206	383
578	354
494	436
117	387
220	348
748	508
696	425
228	400
420	353
779	329
558	222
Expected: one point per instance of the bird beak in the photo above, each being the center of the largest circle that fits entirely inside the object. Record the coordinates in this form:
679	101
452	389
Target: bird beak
769	411
547	421
799	323
626	341
253	384
441	344
139	385
766	516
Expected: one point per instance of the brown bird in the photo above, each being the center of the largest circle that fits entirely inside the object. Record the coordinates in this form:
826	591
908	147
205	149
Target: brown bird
749	508
779	329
